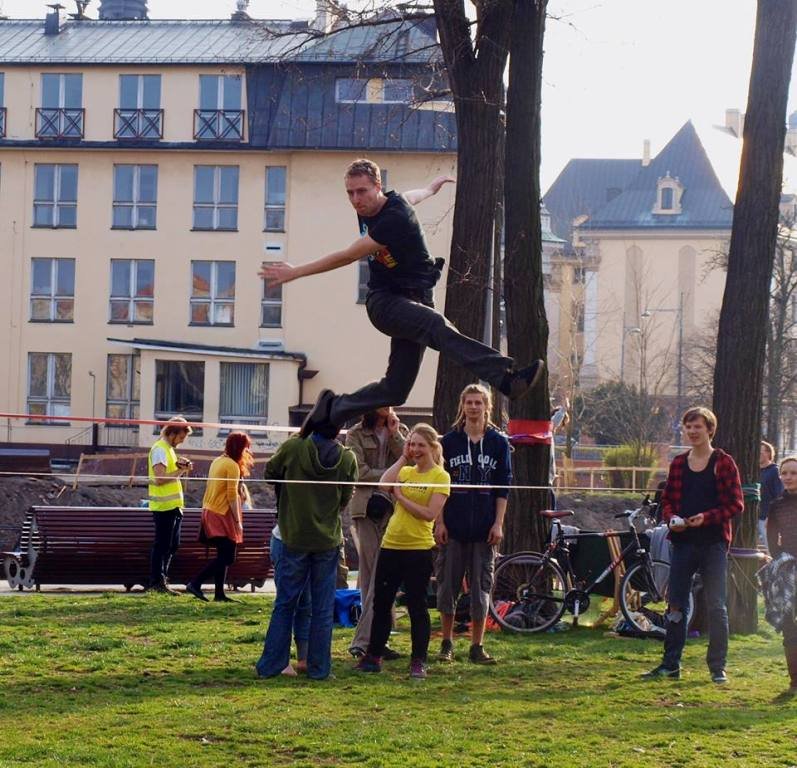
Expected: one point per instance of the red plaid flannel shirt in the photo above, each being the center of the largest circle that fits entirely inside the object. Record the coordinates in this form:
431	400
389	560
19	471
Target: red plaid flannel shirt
729	490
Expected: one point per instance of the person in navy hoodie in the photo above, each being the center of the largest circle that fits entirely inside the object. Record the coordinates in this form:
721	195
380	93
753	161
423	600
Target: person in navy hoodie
472	525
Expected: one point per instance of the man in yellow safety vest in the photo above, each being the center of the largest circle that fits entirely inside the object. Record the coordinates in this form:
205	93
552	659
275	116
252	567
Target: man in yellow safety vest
165	469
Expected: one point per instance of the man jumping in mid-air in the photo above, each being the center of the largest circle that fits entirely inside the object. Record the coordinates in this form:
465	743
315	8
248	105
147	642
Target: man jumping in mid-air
400	302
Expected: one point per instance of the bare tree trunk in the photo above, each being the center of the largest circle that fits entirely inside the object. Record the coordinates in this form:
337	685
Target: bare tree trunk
475	68
527	325
743	320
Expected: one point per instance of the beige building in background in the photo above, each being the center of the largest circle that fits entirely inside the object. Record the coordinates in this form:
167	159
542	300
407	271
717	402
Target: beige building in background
146	170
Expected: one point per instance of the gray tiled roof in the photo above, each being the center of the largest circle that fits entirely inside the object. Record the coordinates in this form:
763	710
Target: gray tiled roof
583	188
704	204
208	42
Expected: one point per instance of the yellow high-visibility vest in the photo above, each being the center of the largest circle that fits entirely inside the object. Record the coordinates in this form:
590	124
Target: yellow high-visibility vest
169	495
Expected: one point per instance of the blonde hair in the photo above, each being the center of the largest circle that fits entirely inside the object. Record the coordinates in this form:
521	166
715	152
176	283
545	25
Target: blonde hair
770	449
787	460
474	389
429	434
364	167
699	412
175	425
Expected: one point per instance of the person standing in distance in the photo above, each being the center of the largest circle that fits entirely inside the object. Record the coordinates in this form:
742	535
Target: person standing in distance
472	524
703	494
400	301
771	487
166	501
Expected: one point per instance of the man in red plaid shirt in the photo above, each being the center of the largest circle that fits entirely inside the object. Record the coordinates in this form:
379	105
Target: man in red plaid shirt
702	495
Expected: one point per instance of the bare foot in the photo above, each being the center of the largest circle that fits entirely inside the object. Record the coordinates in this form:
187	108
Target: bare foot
289	671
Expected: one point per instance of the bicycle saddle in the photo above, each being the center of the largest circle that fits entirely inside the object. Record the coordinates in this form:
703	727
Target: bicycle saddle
555	514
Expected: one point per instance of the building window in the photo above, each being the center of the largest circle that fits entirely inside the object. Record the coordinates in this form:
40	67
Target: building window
135	196
669	192
363	273
216	197
2	107
276	176
139	115
55	196
397	91
49	384
123	391
351	90
52	294
271	306
179	390
375	90
243	393
61	113
212	292
219	117
132	291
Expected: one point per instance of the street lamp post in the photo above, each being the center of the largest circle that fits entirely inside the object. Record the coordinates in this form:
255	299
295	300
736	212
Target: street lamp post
679	392
95	428
632	329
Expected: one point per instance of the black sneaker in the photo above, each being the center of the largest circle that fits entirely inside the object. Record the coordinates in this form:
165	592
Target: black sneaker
196	591
719	677
390	655
517	383
662	671
357	652
446	652
164	589
319	413
478	655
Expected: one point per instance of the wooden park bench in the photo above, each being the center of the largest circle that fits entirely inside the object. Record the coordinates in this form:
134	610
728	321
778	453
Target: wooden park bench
111	545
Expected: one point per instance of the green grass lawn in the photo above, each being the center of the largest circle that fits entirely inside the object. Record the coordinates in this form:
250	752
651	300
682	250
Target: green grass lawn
139	680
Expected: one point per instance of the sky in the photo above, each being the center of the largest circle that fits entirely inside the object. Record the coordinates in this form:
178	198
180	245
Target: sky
616	72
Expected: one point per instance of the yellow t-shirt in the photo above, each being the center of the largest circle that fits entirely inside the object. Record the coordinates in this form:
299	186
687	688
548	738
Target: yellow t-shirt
405	531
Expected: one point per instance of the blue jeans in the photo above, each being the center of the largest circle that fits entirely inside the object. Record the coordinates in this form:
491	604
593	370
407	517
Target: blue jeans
711	561
301	618
299	571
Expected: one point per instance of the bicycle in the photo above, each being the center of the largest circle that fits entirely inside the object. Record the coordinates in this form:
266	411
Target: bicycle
532	590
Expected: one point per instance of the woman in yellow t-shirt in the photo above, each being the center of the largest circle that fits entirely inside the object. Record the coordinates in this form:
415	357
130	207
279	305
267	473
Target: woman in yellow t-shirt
420	487
222	522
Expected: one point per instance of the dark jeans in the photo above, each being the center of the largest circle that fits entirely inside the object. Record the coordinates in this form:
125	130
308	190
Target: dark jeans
413	568
217	568
167	540
789	633
711	562
301	617
299	571
412	326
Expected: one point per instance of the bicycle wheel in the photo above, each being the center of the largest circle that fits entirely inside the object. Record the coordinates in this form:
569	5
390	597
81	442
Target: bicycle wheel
644	594
528	593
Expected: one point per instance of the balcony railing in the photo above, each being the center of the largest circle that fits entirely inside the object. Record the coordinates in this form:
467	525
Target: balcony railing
138	124
219	124
2	122
59	123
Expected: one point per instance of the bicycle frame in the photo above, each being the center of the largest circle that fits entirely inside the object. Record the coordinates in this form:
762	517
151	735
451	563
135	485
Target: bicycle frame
561	545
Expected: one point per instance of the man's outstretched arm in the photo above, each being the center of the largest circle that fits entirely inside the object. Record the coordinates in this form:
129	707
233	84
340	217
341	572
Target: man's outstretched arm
278	273
415	196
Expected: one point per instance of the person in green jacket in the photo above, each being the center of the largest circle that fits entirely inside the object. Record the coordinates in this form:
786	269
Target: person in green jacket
309	522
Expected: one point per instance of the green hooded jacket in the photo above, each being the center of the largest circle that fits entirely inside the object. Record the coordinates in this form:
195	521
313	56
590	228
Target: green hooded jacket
309	513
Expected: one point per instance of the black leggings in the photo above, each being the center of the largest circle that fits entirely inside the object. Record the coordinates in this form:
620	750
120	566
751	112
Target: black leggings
413	567
217	568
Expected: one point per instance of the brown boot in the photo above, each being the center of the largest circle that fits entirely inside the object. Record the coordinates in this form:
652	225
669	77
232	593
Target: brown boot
791	663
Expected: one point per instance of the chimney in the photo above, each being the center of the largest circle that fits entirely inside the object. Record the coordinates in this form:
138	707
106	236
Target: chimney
646	153
53	21
324	18
734	122
242	11
123	10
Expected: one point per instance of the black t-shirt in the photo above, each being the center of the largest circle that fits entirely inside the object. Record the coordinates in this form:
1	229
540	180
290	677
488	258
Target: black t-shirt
404	261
